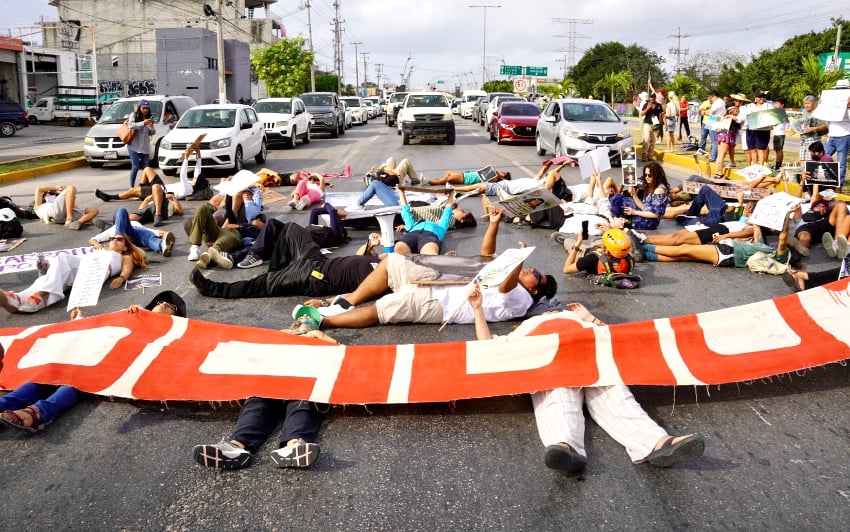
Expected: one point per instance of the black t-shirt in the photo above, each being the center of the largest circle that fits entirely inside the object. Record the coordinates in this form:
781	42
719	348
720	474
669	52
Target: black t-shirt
656	109
345	274
588	264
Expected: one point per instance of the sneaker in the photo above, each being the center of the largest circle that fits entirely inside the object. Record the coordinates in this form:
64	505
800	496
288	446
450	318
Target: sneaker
638	235
296	453
221	258
829	245
561	456
101	195
73	225
204	260
222	455
701	152
102	225
730	165
168	244
32	304
10	301
201	283
157	220
636	249
841	246
292	203
250	261
303	203
798	246
194	253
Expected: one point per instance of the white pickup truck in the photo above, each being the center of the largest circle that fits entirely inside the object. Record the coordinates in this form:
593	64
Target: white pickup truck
426	116
47	110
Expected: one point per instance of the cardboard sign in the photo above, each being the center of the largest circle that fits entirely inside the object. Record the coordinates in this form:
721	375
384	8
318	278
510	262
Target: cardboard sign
833	105
766	119
533	200
753	172
772	211
89	280
242	180
594	162
821	173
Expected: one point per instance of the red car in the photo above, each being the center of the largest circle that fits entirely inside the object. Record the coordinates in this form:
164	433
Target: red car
515	122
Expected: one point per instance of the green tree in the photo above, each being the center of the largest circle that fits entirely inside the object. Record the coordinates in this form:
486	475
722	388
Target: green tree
684	86
612	82
284	66
499	86
813	81
325	83
615	57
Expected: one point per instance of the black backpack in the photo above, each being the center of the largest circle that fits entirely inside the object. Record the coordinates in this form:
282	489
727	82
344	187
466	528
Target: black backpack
11	228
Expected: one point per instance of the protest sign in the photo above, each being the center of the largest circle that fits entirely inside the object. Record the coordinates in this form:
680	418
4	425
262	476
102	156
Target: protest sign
771	211
594	162
89	280
533	200
822	173
833	105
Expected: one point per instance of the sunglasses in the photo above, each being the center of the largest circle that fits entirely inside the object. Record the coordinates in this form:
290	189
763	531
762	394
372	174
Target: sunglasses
537	275
117	238
649	174
172	306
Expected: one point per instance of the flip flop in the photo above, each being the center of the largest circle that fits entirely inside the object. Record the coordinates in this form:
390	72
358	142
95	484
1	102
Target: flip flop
687	449
790	278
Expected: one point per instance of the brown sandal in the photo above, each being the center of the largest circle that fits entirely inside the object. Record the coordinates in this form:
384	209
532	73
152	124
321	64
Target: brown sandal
14	420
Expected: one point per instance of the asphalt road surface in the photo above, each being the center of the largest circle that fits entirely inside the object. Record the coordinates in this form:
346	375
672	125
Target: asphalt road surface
776	450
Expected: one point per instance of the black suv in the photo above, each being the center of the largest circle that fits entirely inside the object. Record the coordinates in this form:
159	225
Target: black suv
328	113
12	118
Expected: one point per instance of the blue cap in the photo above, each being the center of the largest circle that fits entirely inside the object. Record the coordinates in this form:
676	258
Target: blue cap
144	103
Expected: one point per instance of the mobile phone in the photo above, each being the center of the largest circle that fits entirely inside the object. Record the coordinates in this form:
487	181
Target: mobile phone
584	233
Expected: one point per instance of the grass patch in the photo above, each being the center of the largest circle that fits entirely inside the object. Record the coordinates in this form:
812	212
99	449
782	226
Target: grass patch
40	162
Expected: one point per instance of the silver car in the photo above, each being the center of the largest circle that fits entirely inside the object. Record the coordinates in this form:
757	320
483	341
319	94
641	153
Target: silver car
574	126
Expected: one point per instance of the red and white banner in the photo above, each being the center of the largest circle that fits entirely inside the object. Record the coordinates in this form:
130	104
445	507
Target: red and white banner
155	357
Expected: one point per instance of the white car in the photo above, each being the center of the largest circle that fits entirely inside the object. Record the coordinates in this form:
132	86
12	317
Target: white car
359	111
426	116
348	120
370	106
494	104
285	119
377	104
233	132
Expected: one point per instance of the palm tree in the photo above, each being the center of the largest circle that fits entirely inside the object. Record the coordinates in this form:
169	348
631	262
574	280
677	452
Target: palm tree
612	81
567	86
814	79
684	86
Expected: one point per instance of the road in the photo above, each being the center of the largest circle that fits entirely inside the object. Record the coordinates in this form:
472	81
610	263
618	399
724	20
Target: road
776	454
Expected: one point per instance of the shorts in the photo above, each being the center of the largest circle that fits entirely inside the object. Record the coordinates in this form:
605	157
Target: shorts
146	215
726	137
816	229
725	256
54	211
409	303
778	142
706	236
757	139
416	240
671	124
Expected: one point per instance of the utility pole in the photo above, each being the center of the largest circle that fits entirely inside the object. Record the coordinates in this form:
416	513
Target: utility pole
484	53
337	24
365	72
379	73
222	89
312	60
835	56
356	67
571	35
679	52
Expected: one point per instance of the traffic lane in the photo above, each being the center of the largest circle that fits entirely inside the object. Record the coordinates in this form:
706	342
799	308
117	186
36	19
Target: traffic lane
477	463
41	139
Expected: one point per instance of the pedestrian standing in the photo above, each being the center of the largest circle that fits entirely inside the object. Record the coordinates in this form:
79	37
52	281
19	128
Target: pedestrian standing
139	148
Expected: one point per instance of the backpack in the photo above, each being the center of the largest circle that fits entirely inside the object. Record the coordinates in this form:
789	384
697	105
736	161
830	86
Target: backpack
761	262
690	145
608	277
10	226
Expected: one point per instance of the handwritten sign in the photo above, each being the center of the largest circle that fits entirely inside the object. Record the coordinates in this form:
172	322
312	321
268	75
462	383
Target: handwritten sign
771	211
833	105
89	280
753	172
494	272
25	263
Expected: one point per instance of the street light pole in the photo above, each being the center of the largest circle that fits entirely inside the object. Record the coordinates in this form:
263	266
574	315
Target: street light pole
484	53
222	91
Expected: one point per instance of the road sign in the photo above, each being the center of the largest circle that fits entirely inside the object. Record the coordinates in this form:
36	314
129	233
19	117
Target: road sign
510	70
537	71
520	85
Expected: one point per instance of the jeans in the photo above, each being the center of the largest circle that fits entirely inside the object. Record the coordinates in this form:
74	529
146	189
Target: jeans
140	236
50	400
837	147
387	195
259	417
330	210
712	134
716	207
703	137
137	162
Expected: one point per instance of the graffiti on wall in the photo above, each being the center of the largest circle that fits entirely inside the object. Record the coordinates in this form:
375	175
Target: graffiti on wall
133	88
111	86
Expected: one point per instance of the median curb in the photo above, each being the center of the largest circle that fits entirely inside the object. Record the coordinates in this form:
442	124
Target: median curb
22	175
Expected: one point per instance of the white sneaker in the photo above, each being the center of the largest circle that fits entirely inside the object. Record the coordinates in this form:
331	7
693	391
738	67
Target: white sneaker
298	453
302	203
194	253
829	245
223	455
204	260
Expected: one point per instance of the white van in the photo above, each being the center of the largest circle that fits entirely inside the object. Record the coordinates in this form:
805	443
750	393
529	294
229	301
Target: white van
467	100
101	144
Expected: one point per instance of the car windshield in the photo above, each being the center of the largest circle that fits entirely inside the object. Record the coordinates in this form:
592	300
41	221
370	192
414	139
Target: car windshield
118	111
317	99
273	107
471	97
207	118
517	109
397	97
352	102
584	112
430	100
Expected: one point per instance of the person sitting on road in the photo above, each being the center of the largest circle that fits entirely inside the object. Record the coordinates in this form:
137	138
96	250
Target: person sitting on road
219	239
559	413
392	174
31	406
49	289
419	303
644	205
157	207
612	257
241	207
57	204
308	192
141	236
453	177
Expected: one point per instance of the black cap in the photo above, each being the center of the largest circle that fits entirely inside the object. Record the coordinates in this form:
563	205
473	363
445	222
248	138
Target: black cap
169	297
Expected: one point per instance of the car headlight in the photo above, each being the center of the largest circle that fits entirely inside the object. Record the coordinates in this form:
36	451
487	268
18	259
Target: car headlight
448	116
509	127
281	123
624	135
571	133
165	145
221	143
88	141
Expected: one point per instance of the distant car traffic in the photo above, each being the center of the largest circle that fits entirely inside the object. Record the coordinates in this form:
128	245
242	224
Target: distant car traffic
574	126
514	122
395	101
328	114
234	132
285	120
482	106
494	104
359	111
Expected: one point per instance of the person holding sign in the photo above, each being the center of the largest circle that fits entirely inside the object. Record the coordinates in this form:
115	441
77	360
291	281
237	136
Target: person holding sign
645	204
425	236
123	258
31	406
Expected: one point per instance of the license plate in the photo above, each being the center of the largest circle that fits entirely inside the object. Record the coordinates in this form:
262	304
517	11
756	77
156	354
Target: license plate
110	155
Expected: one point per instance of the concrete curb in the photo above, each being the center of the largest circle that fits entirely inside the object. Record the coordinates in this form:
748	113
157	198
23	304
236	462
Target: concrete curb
22	175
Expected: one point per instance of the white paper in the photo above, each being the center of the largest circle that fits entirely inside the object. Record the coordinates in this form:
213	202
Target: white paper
771	211
753	172
594	162
89	280
494	272
242	180
833	105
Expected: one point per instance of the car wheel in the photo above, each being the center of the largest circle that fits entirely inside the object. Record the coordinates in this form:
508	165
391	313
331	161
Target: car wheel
154	159
264	152
540	149
33	120
7	129
558	149
95	165
405	139
73	122
293	139
450	138
490	131
237	160
307	136
335	132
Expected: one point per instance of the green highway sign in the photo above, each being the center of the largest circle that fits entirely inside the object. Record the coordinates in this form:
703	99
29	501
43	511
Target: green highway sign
536	71
510	70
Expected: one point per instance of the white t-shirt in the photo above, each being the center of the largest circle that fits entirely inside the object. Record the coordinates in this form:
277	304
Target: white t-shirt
496	305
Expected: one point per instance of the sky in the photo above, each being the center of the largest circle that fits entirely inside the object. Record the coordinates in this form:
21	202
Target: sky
445	40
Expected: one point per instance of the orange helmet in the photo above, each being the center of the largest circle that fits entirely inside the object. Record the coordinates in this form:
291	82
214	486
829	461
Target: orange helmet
617	243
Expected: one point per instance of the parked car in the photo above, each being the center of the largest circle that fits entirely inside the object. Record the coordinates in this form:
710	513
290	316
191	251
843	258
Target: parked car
426	115
285	120
456	106
515	122
101	144
12	118
349	121
396	101
494	104
574	126
234	132
467	100
328	114
482	106
476	109
359	111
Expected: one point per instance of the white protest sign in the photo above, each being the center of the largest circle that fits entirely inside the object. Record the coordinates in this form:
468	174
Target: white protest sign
242	180
89	280
494	272
833	105
770	212
594	162
753	172
534	200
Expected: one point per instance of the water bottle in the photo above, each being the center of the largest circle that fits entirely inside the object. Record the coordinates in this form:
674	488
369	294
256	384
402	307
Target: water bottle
40	264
